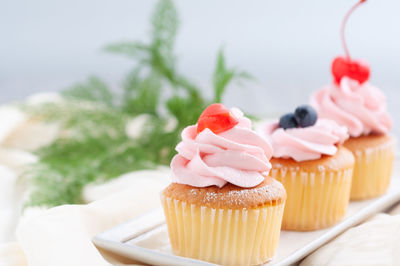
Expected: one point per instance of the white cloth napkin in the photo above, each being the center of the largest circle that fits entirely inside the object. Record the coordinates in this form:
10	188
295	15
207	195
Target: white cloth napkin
12	163
11	254
11	118
19	130
62	235
375	242
8	179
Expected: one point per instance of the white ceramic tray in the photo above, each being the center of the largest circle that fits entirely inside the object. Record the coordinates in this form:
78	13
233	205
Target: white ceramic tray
145	238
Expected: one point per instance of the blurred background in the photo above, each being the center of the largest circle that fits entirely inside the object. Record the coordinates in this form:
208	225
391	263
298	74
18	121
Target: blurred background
287	45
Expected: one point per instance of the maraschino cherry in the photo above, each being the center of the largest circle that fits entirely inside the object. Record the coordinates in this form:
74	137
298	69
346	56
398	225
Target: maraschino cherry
217	118
345	66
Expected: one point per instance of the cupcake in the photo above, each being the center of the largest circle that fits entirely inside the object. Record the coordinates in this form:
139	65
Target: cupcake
362	109
221	206
353	102
313	166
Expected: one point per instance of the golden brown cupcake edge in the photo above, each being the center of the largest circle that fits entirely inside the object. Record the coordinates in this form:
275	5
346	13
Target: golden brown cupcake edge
368	141
269	192
342	159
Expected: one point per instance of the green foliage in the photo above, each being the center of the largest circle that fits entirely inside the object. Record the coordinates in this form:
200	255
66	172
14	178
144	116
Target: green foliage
135	50
94	90
94	145
68	165
141	95
223	76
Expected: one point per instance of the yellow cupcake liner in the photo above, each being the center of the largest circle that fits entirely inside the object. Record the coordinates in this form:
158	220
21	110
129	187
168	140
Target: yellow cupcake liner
315	200
223	236
372	171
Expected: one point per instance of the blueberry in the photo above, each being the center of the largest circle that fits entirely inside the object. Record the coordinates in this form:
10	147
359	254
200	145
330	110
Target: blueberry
306	116
288	121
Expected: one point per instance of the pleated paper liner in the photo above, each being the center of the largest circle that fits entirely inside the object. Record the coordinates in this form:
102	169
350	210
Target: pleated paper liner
315	200
223	236
372	170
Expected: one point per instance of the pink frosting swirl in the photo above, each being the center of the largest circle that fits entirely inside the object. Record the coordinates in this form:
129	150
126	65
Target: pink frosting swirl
239	156
361	108
308	143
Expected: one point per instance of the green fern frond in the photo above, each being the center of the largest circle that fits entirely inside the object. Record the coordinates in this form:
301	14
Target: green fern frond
94	90
223	76
134	50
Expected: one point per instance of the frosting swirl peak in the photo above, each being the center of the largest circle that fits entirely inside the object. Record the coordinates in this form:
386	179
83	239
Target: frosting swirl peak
308	143
361	108
238	156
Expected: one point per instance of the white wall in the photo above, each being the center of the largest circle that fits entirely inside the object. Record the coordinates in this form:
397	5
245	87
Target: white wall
287	45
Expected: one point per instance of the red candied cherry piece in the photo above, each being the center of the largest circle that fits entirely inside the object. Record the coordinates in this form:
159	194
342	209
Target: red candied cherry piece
354	69
217	118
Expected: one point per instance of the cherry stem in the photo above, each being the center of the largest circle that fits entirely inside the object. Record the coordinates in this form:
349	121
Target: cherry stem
346	18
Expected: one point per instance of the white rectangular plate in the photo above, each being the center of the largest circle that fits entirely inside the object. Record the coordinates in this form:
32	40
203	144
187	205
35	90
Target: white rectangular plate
145	238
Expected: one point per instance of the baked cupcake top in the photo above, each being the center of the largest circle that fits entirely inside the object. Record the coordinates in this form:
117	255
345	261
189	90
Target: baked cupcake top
302	136
269	192
359	107
221	148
